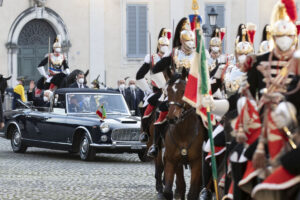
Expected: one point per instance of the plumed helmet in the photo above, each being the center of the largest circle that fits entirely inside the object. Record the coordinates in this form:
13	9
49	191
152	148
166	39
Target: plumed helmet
163	41
283	17
244	47
57	43
187	35
215	41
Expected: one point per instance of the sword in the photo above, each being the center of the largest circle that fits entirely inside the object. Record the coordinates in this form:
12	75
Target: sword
151	63
172	51
49	53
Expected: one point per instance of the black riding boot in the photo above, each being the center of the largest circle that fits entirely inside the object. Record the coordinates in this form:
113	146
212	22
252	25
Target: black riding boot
238	170
153	150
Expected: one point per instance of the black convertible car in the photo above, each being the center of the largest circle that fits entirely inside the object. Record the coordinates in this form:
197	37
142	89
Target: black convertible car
70	123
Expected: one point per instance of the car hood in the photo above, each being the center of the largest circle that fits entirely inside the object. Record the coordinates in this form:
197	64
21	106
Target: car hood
111	119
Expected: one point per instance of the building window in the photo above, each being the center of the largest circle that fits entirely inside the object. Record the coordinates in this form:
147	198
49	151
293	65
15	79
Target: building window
137	28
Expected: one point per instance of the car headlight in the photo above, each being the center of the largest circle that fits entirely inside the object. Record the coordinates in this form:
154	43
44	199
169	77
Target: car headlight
104	127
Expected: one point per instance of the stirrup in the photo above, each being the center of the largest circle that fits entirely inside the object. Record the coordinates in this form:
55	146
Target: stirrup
144	137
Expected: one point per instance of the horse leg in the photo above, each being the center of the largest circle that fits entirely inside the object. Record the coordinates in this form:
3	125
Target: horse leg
196	180
169	178
180	183
159	168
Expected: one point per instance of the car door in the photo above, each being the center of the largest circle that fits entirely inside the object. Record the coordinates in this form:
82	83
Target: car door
33	125
53	126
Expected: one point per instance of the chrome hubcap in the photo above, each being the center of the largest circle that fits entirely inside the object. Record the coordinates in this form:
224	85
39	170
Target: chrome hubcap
17	138
84	146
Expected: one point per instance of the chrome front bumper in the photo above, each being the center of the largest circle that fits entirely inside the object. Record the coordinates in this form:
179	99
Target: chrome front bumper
121	145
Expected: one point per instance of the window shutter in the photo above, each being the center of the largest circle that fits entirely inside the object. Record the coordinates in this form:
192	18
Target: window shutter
131	30
142	24
137	31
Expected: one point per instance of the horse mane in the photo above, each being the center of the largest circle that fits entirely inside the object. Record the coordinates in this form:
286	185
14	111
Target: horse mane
174	78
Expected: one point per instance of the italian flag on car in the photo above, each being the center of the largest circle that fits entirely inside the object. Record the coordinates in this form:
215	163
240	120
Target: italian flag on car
101	112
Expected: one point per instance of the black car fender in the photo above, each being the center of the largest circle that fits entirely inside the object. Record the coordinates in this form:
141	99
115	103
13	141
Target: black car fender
11	124
79	132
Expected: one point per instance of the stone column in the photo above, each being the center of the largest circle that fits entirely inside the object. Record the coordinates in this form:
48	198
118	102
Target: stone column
97	43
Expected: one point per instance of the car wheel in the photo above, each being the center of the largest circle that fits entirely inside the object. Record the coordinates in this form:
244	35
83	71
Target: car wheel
143	156
16	142
86	152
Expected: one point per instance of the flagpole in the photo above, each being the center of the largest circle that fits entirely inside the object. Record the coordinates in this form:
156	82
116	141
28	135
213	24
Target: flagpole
208	114
202	71
212	149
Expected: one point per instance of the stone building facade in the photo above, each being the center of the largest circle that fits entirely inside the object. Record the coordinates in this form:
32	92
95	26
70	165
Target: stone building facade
107	37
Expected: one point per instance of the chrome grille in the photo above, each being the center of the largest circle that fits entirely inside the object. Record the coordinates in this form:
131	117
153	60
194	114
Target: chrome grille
131	134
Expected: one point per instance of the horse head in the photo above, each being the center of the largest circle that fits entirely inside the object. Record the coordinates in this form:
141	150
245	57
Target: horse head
175	90
3	85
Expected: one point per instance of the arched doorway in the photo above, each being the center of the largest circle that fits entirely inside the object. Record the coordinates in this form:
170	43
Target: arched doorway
49	18
33	43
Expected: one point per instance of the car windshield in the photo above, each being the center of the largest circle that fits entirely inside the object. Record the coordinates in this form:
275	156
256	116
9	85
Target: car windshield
90	103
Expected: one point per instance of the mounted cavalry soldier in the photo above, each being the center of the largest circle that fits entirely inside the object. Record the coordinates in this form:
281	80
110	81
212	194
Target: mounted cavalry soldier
57	66
176	62
158	80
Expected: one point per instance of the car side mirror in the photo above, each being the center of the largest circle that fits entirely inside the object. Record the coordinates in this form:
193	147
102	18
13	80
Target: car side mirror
132	112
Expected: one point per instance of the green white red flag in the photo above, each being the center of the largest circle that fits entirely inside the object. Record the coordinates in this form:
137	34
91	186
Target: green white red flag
101	112
198	80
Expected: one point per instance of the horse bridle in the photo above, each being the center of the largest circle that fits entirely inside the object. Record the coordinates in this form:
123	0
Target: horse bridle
183	115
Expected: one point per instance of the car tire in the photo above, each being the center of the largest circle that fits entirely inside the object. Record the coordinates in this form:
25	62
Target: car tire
143	156
86	152
16	141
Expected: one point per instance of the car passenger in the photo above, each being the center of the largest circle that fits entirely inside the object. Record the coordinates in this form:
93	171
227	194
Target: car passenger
74	105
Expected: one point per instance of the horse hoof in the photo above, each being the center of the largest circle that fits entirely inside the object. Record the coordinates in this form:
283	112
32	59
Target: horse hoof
160	196
205	194
168	196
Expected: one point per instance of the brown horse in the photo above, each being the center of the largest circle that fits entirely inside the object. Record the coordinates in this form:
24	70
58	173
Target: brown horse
183	142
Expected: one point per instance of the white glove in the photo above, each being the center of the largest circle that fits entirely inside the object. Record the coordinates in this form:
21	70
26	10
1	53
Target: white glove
222	59
147	59
219	71
48	79
67	71
208	101
283	114
43	72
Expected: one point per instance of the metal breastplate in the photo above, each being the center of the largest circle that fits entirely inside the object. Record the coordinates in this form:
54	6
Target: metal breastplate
182	60
56	61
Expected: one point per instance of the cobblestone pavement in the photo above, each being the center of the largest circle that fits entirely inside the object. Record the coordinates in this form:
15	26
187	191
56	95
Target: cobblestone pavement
46	174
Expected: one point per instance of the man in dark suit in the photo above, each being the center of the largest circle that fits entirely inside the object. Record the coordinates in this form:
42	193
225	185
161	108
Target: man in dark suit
79	81
121	87
133	97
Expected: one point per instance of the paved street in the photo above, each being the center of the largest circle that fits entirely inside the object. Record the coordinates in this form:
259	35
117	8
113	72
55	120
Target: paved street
45	174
